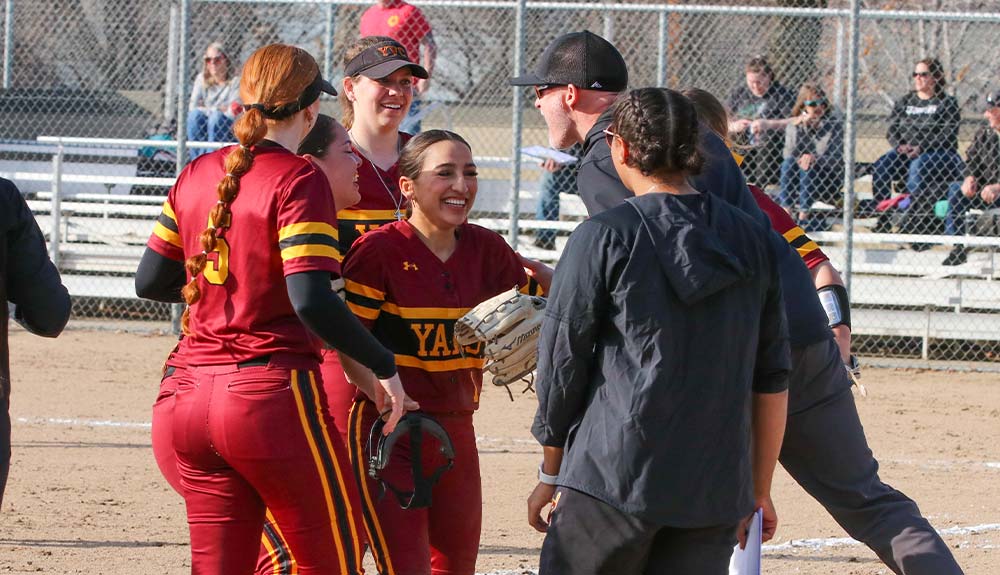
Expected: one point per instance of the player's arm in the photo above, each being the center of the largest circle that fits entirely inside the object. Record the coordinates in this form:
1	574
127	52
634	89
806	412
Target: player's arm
33	283
327	316
770	398
833	295
159	278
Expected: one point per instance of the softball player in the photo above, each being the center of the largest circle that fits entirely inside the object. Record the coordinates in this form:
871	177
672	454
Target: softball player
378	91
409	281
328	147
249	405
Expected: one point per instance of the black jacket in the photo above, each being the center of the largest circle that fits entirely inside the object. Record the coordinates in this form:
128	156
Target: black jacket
983	158
664	314
600	189
28	279
931	124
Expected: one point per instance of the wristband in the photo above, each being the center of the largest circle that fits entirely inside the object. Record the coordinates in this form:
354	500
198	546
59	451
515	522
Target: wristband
836	305
545	477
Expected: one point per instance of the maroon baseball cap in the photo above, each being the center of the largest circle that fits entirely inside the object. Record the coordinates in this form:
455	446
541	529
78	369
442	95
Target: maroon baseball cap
381	60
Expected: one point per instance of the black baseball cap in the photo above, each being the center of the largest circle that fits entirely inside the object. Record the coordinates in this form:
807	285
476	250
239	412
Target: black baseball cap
583	59
382	59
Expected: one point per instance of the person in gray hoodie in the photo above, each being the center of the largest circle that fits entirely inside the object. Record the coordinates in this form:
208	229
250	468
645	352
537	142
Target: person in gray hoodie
662	369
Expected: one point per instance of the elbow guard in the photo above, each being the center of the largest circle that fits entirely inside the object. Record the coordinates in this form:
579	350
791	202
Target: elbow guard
836	304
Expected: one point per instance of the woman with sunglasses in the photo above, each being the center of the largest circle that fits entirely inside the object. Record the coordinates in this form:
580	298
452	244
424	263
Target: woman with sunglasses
923	134
215	100
813	165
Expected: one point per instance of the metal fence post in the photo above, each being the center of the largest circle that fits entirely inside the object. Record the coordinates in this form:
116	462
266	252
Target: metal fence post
331	28
516	125
8	42
170	89
56	208
838	67
662	45
182	82
850	141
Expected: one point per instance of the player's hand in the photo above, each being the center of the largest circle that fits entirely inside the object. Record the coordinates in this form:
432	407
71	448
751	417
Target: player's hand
391	391
538	271
737	126
758	126
540	498
550	165
904	149
914	152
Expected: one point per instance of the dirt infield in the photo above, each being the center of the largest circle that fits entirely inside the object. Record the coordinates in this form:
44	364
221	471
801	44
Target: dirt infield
85	496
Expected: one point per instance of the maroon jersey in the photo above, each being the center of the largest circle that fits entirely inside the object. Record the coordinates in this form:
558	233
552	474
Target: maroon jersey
410	300
380	200
283	222
782	223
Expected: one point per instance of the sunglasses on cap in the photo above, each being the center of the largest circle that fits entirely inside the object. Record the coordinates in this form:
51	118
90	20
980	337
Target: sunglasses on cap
921	74
540	90
813	103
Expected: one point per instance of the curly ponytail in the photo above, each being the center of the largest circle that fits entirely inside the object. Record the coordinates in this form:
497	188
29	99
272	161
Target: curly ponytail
274	76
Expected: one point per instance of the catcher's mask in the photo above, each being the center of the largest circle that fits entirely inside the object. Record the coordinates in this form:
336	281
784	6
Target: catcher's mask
380	447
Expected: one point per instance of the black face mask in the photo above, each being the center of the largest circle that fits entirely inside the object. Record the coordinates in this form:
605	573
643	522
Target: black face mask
380	446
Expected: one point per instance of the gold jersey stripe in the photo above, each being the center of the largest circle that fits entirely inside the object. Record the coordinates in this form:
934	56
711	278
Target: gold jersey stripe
308	228
168	235
363	290
793	233
356	437
440	364
362	311
366	215
315	446
309	250
807	247
440	313
168	211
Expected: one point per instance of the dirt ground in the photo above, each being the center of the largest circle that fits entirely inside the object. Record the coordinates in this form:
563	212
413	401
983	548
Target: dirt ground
85	496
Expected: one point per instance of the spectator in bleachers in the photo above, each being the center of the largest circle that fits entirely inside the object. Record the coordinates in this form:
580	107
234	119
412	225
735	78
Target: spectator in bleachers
407	25
923	133
981	185
759	113
813	166
556	179
215	100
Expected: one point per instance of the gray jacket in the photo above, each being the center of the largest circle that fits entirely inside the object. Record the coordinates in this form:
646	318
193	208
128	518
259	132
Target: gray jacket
664	314
825	141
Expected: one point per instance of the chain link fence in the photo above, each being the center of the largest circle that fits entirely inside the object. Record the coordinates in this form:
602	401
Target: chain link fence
917	130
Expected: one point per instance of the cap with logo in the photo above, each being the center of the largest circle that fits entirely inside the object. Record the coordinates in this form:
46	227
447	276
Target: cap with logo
381	60
583	59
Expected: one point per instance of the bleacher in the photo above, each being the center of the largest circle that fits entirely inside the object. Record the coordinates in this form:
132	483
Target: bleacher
97	231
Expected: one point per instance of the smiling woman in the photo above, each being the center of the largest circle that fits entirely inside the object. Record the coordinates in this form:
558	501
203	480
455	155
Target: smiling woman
409	281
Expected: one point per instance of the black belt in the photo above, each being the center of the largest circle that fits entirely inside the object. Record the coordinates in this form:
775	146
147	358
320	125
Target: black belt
255	362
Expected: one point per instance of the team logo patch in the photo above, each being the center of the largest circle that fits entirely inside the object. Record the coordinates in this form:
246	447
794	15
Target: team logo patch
410	267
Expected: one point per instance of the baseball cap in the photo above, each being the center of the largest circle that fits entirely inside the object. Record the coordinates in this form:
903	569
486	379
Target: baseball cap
381	60
583	59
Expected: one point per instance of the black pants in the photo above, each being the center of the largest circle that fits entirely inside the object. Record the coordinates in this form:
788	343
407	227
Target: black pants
826	452
589	537
4	440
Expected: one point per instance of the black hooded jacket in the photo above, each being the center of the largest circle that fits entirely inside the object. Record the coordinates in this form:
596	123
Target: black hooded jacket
663	316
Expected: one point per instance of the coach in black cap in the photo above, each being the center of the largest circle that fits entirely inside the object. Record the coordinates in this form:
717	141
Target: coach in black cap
824	449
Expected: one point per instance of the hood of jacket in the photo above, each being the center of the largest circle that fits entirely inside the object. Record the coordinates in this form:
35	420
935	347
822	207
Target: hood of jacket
691	255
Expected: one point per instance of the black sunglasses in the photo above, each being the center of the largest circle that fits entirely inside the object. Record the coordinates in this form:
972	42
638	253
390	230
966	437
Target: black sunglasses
541	89
921	74
991	103
813	103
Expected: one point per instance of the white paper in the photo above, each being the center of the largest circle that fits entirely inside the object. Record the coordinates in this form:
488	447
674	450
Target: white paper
546	153
747	561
